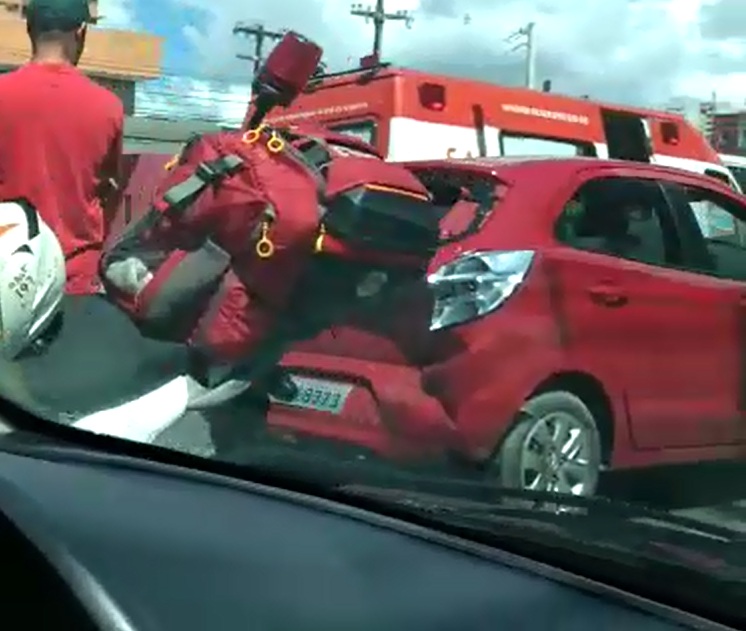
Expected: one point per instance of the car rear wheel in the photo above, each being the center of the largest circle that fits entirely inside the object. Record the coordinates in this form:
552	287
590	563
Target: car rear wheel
554	445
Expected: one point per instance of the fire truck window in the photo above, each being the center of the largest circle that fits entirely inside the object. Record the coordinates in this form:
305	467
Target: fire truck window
626	136
365	131
515	145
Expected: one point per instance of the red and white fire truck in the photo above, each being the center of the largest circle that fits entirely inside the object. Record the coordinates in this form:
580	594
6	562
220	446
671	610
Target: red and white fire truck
411	115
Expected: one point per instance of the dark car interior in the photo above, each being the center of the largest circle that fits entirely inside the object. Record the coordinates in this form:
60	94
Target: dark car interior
635	224
100	539
610	216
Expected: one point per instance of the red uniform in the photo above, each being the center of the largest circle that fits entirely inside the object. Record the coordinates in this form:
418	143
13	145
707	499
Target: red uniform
61	139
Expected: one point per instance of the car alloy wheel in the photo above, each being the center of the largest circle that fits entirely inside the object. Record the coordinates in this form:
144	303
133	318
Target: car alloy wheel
553	446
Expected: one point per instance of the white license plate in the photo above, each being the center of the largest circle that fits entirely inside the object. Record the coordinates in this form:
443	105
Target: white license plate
317	394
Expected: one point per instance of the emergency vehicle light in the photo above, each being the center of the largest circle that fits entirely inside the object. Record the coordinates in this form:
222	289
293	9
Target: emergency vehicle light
670	132
432	96
369	61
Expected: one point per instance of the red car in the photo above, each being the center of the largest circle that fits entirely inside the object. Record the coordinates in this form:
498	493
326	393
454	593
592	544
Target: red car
597	319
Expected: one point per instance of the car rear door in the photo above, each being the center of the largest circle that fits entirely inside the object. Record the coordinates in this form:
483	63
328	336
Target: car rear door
640	322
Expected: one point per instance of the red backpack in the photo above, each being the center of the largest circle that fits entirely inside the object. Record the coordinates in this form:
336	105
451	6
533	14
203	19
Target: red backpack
270	235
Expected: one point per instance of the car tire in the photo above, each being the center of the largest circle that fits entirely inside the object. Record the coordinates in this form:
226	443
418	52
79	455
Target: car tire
529	447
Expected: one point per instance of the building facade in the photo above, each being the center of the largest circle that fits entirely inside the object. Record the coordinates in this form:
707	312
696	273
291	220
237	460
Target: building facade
117	59
729	132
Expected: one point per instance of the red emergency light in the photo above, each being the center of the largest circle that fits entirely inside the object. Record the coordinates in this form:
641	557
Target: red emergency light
282	77
432	96
670	132
370	61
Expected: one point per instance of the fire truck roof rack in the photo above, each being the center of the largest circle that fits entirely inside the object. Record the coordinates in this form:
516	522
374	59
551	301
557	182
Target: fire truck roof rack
366	72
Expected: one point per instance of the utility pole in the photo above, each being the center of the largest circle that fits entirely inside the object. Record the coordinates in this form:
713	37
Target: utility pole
528	36
380	17
261	36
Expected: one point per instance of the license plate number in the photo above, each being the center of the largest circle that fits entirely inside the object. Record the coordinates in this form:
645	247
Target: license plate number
317	394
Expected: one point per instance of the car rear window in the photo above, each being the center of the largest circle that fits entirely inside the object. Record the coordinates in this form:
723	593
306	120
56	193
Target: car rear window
458	194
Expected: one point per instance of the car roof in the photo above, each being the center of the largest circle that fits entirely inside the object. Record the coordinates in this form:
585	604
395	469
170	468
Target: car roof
549	165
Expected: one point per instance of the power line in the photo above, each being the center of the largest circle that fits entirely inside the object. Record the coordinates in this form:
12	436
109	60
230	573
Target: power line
261	36
379	17
527	35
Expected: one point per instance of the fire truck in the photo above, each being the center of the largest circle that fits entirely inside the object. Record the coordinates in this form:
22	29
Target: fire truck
412	115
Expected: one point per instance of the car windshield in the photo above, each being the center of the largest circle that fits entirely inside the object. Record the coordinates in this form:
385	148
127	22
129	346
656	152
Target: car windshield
507	327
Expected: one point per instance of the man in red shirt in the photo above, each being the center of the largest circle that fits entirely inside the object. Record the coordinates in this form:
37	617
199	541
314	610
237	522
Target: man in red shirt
61	138
60	149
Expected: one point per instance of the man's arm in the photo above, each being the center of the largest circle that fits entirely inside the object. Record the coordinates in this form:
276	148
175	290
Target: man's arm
111	172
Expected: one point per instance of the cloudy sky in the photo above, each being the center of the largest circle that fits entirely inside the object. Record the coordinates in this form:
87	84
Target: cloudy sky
632	51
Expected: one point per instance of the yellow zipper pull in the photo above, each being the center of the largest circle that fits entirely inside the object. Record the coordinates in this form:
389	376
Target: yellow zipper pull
250	136
319	245
169	166
264	247
275	144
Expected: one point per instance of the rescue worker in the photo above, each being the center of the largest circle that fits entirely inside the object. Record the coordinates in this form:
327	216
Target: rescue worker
61	135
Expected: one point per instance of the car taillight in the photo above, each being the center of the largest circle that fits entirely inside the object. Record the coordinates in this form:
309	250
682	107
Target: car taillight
476	284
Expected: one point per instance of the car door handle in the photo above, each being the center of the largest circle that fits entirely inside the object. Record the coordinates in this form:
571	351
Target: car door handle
608	295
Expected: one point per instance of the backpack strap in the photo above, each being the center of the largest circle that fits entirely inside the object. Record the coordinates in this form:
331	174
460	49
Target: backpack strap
207	173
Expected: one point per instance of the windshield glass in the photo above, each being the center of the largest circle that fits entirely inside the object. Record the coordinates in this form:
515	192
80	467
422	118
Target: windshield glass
533	323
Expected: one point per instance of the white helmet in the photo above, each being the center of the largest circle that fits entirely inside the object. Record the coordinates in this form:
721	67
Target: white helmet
32	277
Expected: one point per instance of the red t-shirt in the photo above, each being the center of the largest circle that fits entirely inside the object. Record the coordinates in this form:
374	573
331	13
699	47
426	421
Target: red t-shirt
60	144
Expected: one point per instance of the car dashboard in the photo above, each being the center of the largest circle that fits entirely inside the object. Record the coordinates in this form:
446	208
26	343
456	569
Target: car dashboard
92	541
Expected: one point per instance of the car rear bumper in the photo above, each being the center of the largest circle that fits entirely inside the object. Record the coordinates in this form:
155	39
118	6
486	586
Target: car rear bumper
386	411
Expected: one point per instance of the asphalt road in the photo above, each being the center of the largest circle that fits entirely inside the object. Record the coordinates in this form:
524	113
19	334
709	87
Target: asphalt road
190	434
712	494
731	515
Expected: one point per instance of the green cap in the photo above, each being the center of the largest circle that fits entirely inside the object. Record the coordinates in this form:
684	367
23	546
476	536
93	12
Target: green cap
57	15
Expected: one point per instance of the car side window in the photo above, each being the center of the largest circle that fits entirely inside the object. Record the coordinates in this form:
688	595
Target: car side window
715	229
623	217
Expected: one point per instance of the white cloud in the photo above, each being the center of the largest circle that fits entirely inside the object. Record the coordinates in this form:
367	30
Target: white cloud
117	14
178	97
642	51
634	51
